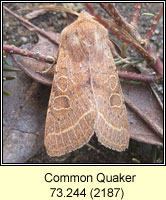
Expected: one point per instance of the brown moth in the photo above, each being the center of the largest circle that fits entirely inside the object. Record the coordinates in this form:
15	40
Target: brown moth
86	95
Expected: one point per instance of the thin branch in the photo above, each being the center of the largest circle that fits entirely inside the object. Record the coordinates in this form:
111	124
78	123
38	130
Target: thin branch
25	52
119	19
114	13
52	7
158	65
137	77
49	59
33	27
134	20
115	31
153	26
151	58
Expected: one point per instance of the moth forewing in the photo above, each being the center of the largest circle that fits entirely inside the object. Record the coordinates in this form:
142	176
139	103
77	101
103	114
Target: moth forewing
86	95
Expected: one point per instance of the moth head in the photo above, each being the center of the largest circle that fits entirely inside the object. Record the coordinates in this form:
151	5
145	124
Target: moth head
86	37
84	15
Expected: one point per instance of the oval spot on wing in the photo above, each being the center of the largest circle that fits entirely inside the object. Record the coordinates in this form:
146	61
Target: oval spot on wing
62	83
113	82
61	102
115	100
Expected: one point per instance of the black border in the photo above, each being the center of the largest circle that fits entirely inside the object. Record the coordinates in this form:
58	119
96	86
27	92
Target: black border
19	164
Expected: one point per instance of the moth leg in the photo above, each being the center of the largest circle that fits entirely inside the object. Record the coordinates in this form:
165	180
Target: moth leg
115	53
48	69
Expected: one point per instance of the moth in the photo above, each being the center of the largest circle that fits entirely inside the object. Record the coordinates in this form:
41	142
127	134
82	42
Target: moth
86	96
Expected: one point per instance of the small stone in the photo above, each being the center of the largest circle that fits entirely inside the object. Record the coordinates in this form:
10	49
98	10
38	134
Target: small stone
157	31
24	39
154	37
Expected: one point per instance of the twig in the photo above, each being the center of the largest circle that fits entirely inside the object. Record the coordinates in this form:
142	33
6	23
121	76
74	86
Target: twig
158	65
136	14
114	13
52	7
137	77
119	19
151	58
148	36
125	38
148	121
134	22
25	52
49	59
33	27
153	26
